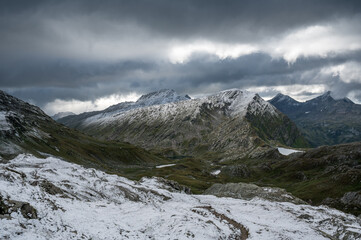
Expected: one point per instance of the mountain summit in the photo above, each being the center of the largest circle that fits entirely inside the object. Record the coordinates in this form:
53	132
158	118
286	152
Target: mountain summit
154	98
229	122
161	97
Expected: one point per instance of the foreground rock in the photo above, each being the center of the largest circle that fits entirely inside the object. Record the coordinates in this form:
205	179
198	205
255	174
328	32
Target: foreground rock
102	206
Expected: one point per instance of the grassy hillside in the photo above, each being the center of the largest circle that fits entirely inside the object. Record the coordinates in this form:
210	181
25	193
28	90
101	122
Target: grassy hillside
25	128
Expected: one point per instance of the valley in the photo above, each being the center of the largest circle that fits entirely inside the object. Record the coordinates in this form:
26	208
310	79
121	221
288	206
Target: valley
231	144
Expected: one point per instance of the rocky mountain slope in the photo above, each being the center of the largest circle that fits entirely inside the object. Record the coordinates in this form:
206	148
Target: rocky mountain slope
52	199
25	128
323	120
230	123
155	98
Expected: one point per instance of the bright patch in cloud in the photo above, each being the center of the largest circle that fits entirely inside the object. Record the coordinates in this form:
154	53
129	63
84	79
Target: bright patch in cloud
348	72
181	53
314	41
77	106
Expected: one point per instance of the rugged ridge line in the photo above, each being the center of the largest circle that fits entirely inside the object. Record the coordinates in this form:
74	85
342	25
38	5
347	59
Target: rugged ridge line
323	120
231	122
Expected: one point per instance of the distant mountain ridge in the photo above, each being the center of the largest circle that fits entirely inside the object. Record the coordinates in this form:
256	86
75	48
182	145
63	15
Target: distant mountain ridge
323	120
228	122
61	115
155	98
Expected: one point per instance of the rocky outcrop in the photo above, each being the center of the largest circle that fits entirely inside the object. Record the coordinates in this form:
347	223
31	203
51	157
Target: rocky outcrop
352	198
249	191
8	206
173	186
238	170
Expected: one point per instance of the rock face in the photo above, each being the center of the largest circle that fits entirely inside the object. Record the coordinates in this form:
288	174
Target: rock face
249	191
352	198
323	120
228	122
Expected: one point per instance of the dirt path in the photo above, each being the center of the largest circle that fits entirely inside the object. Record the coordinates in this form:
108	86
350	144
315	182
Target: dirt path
235	225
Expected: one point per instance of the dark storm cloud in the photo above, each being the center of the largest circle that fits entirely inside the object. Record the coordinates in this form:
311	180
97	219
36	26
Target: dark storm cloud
88	49
81	81
178	19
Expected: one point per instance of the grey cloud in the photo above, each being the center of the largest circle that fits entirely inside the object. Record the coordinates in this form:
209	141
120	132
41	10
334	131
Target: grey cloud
179	19
46	46
69	80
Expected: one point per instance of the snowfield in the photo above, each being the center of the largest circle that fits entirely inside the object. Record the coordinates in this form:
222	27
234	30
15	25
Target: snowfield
77	203
287	151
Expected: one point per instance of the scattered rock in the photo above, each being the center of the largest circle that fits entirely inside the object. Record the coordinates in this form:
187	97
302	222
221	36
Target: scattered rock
3	207
50	188
174	186
132	196
305	216
9	206
28	211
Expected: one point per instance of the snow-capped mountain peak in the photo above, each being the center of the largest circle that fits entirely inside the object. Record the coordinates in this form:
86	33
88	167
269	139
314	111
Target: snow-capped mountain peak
281	98
161	97
167	103
239	101
153	122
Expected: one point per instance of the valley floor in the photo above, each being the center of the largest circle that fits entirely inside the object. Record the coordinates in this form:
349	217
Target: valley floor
68	201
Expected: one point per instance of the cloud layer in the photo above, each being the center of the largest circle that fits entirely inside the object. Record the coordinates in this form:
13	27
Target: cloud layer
78	53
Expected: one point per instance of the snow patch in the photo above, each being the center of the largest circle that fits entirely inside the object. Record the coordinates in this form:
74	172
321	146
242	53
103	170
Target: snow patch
287	151
216	172
166	165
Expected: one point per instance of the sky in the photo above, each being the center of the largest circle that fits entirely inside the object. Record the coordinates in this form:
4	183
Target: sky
87	55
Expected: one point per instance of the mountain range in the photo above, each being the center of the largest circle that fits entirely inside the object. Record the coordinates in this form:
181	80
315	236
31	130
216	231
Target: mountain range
57	182
323	120
229	124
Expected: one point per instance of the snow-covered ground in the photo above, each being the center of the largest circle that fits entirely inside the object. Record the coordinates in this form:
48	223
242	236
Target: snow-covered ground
287	151
77	203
